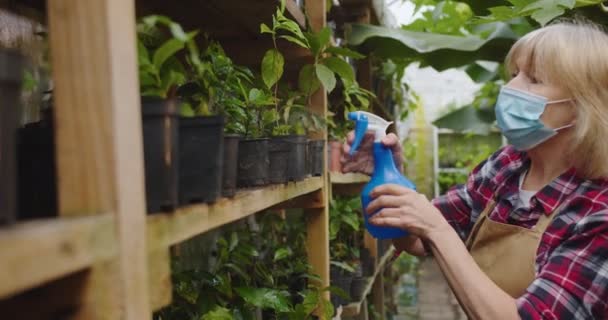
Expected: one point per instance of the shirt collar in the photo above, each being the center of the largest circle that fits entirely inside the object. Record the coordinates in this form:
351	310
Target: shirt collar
553	194
550	196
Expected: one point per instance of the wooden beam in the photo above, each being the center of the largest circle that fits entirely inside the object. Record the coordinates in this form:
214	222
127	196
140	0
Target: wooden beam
37	252
167	229
318	219
99	139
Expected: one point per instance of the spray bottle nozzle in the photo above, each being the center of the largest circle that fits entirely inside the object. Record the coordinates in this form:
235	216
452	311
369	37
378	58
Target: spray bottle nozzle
363	122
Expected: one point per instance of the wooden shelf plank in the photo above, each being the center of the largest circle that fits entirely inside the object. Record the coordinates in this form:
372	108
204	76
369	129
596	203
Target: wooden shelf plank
167	229
348	178
36	252
349	184
353	309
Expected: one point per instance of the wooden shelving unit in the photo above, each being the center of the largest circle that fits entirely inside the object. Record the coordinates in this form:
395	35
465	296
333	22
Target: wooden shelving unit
349	184
348	178
103	257
186	222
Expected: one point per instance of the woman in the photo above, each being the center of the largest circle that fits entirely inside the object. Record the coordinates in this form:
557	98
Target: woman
527	236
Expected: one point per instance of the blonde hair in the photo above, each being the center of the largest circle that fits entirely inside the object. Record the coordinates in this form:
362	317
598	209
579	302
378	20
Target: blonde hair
573	56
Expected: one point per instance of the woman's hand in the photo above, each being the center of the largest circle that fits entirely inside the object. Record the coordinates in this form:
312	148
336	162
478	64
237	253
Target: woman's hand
410	244
404	208
363	160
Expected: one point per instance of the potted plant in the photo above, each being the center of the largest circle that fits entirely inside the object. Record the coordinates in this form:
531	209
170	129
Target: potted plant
160	74
212	106
345	222
254	163
11	73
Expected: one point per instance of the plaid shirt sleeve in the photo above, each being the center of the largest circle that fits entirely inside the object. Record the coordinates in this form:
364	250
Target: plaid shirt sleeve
573	284
462	203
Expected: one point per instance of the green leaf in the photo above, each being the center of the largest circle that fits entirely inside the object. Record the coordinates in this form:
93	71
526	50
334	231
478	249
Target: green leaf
313	42
324	37
234	241
340	67
481	73
167	50
295	40
308	82
282	253
264	29
272	67
142	54
467	118
265	298
255	95
489	41
545	15
218	313
326	76
345	52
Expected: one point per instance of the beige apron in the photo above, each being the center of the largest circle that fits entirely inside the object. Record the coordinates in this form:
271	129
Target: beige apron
505	252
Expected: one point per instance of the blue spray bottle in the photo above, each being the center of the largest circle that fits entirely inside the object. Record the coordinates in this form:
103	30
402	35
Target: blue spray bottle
385	170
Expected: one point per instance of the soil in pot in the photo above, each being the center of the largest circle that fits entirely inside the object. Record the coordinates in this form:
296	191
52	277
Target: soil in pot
315	152
37	180
254	165
160	131
296	167
201	149
11	72
278	155
231	156
335	153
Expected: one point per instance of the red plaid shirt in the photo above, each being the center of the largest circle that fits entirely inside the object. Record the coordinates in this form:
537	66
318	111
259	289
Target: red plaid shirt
572	258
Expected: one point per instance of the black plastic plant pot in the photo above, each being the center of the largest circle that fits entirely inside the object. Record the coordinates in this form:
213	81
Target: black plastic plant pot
357	288
315	157
201	150
11	72
160	132
278	155
231	157
254	165
296	167
37	180
342	279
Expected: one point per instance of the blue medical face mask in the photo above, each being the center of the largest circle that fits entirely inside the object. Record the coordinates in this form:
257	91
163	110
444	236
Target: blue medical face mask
518	116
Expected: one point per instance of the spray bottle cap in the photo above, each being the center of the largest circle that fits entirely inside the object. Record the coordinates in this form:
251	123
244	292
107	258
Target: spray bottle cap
367	121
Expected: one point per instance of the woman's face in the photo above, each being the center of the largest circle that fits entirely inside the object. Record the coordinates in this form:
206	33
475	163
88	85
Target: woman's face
555	114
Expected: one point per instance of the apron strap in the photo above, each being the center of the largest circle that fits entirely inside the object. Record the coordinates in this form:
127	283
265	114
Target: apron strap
484	215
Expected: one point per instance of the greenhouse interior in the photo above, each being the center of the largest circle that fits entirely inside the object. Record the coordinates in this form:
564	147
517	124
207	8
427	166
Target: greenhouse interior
365	159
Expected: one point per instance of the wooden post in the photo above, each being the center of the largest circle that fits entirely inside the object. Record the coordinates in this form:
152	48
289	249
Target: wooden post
318	224
99	143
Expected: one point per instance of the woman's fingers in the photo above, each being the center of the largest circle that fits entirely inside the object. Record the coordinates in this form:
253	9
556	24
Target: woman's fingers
391	189
384	201
390	140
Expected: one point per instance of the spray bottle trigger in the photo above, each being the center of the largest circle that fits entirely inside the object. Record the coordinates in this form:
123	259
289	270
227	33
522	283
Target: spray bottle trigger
361	123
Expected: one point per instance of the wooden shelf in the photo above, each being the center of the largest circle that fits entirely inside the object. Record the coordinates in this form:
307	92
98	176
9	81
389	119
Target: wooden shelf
39	251
168	229
353	309
348	178
349	184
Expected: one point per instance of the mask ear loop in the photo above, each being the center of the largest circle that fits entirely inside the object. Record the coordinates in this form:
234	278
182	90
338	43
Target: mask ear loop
558	101
568	125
